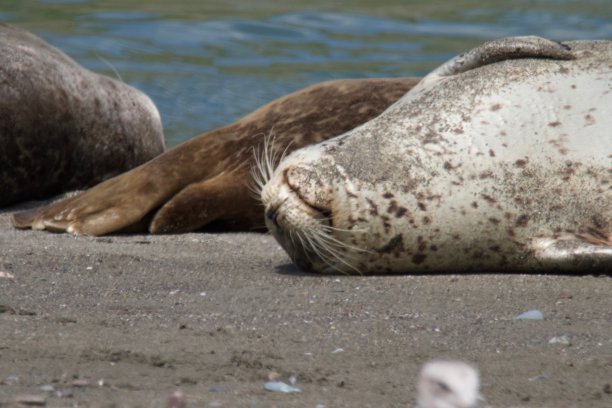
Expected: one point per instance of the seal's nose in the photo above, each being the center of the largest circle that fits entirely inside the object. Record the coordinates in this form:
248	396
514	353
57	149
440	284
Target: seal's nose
307	185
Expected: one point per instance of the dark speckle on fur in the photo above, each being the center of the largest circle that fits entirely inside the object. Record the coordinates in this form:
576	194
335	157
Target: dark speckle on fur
522	220
520	163
489	199
418	258
395	243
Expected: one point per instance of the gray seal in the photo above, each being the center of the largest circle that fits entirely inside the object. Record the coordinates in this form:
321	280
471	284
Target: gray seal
63	127
499	160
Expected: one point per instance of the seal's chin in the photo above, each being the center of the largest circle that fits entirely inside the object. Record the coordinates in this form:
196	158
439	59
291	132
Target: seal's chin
300	218
294	222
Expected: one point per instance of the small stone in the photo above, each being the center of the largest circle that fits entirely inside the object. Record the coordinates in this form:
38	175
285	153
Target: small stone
65	393
31	400
530	315
6	275
47	388
273	376
81	383
560	340
12	379
608	388
279	386
338	350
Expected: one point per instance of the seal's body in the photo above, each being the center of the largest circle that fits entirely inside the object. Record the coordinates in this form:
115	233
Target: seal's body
63	127
499	160
207	181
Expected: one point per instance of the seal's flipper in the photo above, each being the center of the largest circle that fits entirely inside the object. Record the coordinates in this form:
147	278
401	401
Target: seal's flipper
216	200
575	251
503	49
113	205
25	219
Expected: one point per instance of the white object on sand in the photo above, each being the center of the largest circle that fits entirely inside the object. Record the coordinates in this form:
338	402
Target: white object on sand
448	384
530	315
279	386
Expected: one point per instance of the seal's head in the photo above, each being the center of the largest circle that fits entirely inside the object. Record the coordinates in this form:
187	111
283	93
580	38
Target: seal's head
307	210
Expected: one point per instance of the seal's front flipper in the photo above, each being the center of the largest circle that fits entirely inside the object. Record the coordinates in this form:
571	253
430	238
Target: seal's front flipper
117	204
504	49
219	203
591	253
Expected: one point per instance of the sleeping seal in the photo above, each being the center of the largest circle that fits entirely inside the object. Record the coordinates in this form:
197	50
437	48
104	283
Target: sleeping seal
499	160
63	127
206	181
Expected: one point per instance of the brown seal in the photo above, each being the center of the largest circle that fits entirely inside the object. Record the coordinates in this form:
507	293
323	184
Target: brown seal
207	181
63	127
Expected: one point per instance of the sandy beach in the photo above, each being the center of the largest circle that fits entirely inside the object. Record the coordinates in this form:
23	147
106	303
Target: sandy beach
124	321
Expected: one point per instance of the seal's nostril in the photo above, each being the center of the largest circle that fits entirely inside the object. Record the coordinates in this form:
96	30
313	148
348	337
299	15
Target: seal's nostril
272	215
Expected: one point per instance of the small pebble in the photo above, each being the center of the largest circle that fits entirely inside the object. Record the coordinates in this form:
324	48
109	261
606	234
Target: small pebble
530	315
47	388
12	379
338	350
65	393
560	340
279	386
31	400
6	275
81	383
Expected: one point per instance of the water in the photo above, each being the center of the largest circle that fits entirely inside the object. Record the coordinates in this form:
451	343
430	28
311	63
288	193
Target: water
206	63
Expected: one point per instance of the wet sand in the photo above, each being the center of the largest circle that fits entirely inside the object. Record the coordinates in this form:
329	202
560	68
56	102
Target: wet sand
124	321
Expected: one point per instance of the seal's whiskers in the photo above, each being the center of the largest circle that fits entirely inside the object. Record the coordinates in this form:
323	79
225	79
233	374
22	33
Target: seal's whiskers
266	161
329	249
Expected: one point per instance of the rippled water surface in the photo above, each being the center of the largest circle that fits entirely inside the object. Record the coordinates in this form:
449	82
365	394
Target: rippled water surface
205	63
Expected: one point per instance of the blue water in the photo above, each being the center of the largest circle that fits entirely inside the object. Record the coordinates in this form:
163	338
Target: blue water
206	64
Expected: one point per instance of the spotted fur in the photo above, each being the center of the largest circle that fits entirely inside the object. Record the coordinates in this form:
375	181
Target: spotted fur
473	170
